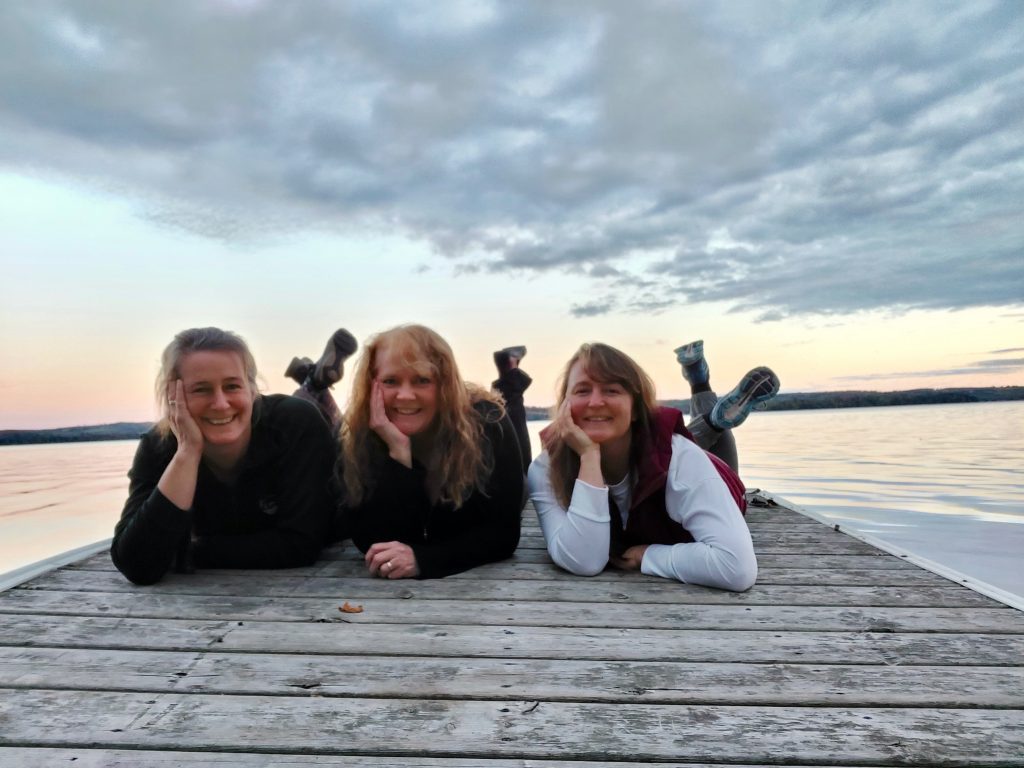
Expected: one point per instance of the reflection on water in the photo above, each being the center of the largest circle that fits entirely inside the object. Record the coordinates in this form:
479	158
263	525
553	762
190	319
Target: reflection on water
940	481
58	497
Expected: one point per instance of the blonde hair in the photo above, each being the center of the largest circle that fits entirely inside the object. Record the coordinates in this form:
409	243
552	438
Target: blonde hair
605	364
198	340
458	437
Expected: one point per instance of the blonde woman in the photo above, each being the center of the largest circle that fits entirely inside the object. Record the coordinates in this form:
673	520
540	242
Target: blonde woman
228	478
432	469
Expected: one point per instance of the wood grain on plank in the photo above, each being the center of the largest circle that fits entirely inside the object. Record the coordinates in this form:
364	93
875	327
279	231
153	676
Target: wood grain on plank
504	642
510	728
546	679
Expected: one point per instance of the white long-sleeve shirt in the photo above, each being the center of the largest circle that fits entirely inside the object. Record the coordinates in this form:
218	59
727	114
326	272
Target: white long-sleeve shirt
696	497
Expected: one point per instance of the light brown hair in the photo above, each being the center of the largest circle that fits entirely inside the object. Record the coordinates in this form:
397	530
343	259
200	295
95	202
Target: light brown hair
605	364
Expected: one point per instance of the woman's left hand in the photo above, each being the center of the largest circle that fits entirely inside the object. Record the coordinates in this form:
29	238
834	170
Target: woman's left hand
392	560
631	559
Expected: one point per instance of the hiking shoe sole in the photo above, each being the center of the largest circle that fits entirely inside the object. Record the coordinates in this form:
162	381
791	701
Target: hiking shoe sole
757	386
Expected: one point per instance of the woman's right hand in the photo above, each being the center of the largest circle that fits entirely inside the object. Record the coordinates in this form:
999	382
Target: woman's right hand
399	445
178	481
565	429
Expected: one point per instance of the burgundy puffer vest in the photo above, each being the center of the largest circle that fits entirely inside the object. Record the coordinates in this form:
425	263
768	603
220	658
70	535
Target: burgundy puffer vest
649	523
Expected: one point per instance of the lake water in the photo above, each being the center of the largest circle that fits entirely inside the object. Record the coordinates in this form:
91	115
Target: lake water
58	497
944	482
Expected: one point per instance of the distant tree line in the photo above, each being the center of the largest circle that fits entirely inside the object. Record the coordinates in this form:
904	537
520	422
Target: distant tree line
785	402
797	401
123	430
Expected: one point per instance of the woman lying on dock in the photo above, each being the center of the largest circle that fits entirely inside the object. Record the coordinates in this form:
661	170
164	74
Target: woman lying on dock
228	478
622	480
432	469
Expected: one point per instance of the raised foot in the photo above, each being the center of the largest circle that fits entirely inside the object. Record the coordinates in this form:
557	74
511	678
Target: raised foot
329	369
690	353
757	386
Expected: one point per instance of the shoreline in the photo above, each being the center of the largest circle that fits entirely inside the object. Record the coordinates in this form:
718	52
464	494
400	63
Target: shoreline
795	401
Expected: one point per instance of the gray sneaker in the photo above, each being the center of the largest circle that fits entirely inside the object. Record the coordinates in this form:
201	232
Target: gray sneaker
695	367
690	353
758	386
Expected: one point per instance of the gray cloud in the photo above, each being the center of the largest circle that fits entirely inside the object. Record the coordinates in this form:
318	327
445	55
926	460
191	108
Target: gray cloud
981	366
803	158
1017	362
593	308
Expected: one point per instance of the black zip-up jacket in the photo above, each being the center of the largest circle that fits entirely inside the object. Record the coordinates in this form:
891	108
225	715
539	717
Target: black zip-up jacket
277	514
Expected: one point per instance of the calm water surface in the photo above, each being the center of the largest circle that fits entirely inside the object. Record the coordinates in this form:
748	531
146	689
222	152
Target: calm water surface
943	482
57	497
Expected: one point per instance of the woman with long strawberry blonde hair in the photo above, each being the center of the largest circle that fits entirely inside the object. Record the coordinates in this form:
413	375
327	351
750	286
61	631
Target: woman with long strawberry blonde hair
432	470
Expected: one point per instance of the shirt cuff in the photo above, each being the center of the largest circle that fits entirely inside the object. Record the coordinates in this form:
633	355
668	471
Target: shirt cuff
658	561
590	502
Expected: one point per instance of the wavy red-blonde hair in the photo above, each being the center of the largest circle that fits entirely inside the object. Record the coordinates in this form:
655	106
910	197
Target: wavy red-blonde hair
458	437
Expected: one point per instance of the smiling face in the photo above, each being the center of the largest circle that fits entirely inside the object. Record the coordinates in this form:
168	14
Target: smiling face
219	396
602	409
410	393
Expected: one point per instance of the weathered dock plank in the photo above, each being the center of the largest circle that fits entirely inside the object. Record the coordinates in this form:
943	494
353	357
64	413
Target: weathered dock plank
343	562
41	757
623	613
363	586
885	647
511	727
840	655
397	677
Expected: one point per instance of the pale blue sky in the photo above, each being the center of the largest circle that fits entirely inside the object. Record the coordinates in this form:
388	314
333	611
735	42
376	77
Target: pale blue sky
833	189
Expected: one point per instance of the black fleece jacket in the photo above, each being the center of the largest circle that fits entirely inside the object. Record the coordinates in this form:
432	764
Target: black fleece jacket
276	514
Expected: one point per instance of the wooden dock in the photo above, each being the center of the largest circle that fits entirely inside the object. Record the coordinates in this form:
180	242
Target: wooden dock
840	655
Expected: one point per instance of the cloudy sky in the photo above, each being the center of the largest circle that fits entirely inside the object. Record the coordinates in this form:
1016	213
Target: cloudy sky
834	189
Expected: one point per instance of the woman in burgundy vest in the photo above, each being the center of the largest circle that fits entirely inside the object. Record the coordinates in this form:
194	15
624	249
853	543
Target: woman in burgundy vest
621	481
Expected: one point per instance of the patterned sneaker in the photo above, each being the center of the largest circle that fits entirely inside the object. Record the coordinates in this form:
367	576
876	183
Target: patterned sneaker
691	358
759	385
328	370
